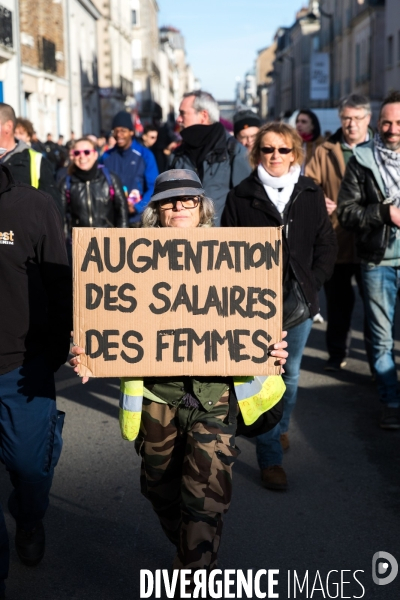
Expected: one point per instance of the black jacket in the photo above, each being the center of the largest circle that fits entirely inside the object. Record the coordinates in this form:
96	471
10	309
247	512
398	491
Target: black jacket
19	165
361	206
89	204
35	278
309	242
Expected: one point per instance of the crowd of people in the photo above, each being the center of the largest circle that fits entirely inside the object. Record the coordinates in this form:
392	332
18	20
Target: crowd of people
337	199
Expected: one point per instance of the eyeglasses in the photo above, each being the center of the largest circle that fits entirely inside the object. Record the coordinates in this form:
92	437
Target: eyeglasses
189	202
85	152
349	119
270	150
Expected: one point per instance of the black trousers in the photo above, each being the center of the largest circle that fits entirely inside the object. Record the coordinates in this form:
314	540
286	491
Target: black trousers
340	299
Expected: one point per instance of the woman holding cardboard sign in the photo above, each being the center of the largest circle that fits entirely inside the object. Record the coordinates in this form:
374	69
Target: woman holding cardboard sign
188	424
275	194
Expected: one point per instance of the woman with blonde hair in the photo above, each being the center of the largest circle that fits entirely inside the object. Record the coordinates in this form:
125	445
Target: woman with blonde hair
277	195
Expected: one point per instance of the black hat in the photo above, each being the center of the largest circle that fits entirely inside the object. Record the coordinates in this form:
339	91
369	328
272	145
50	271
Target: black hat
244	119
123	119
177	182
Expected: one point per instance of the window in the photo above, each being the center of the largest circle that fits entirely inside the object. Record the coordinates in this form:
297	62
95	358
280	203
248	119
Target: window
6	30
390	51
134	17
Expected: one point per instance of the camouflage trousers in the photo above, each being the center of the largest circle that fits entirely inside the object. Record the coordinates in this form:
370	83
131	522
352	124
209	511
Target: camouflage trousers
187	458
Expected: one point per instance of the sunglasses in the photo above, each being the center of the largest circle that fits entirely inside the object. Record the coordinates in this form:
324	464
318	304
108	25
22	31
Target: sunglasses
189	202
270	150
85	152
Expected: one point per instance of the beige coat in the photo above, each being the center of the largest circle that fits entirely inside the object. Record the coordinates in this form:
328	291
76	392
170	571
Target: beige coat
327	168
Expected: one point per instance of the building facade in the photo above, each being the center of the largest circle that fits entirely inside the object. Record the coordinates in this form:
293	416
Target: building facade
10	80
392	45
290	89
81	33
145	58
114	38
264	67
44	72
353	33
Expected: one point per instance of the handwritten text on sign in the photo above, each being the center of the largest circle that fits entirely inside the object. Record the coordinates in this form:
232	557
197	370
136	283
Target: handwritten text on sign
168	302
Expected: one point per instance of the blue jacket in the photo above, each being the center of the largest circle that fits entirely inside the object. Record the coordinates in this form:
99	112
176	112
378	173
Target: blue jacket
150	170
130	167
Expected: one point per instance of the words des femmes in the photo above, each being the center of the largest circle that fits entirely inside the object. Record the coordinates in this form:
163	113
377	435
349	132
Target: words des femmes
207	301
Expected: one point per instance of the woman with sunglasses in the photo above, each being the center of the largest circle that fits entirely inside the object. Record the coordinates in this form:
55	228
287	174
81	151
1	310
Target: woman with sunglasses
277	195
91	195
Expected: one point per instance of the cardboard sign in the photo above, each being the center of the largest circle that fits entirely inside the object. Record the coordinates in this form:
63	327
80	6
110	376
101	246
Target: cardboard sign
170	301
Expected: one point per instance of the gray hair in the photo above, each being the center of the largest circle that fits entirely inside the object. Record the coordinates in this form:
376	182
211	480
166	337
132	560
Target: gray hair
151	215
205	101
355	101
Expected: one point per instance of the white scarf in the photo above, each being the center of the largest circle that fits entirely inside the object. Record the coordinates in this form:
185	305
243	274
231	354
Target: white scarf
279	189
388	162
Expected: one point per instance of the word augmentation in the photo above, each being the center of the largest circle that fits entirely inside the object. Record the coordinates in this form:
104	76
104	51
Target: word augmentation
181	255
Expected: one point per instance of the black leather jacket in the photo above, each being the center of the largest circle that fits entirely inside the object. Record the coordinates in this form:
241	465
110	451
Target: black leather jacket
89	203
362	208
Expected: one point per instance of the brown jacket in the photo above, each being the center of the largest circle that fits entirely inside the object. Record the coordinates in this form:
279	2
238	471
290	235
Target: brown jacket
311	147
327	168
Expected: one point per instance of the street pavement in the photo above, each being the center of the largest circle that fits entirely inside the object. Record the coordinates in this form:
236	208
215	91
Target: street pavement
343	504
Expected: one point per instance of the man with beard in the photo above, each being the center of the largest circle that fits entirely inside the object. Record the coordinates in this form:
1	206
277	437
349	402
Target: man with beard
369	205
218	159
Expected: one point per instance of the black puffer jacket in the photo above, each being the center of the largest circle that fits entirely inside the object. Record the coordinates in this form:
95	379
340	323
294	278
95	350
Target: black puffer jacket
90	204
362	205
309	242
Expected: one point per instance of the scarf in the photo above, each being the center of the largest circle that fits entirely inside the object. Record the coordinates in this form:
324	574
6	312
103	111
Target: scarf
199	140
307	137
279	189
388	163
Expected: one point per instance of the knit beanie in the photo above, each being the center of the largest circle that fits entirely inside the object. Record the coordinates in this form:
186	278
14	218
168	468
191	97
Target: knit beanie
123	119
244	119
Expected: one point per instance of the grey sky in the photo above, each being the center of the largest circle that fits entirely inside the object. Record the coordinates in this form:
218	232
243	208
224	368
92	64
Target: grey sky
223	36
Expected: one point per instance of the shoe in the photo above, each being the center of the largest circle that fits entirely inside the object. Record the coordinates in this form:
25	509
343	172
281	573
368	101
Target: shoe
284	439
390	418
274	478
318	318
334	365
30	545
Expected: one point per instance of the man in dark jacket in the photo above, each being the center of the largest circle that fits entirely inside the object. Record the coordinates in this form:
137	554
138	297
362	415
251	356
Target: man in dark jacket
369	205
25	164
36	319
219	160
134	164
327	168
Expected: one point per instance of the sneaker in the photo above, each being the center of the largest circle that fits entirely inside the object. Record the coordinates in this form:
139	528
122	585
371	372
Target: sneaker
284	439
274	478
30	545
390	418
334	365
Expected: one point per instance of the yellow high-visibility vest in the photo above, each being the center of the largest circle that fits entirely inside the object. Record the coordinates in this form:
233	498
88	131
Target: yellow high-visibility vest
35	163
255	396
